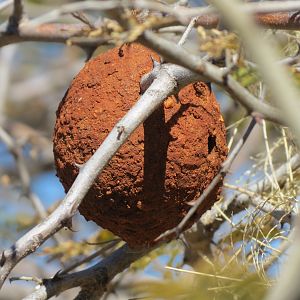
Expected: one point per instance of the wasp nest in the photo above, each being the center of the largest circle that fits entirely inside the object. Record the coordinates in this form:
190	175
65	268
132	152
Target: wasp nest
166	163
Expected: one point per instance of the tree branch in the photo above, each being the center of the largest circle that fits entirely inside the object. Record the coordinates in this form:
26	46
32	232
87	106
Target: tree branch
61	33
184	14
240	199
178	55
16	18
276	20
119	260
98	275
222	173
281	86
88	258
25	179
286	96
52	33
169	80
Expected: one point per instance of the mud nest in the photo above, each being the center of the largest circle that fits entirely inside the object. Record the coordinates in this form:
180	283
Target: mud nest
166	163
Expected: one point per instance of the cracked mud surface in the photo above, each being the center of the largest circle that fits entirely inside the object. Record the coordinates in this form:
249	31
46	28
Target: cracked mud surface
166	163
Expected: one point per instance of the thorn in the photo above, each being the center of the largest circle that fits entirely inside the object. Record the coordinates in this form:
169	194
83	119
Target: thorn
56	275
162	61
79	166
191	203
2	260
155	63
69	225
27	278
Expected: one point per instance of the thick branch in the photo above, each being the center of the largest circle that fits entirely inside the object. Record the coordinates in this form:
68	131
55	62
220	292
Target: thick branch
98	275
282	88
61	33
52	33
123	257
280	20
240	200
181	13
199	237
170	78
178	55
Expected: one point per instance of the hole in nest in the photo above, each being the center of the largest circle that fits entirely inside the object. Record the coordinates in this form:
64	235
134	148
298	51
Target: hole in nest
211	143
121	52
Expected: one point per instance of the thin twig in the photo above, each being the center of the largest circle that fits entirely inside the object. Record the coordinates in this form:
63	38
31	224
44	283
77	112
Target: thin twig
187	32
79	15
184	14
223	171
23	172
170	80
178	55
98	275
238	201
16	17
216	276
288	155
86	259
269	261
61	33
6	59
16	151
26	278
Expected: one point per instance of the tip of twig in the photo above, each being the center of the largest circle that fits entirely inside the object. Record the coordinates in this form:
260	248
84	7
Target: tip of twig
57	275
155	63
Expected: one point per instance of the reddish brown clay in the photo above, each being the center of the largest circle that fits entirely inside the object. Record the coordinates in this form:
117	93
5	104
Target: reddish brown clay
166	163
